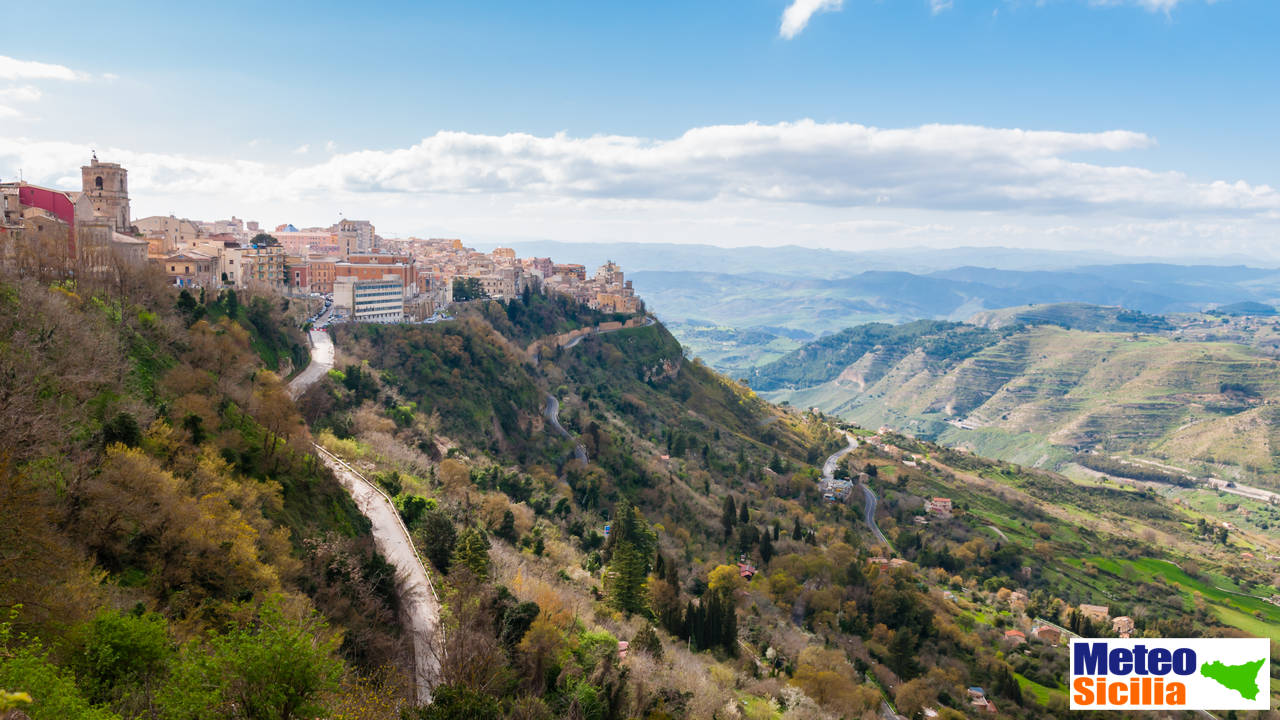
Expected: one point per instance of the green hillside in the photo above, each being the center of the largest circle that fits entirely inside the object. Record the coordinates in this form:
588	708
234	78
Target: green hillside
1041	394
184	554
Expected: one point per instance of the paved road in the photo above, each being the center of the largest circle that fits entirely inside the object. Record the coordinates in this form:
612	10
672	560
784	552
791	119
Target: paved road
552	413
648	322
828	473
321	363
552	409
829	467
417	594
870	516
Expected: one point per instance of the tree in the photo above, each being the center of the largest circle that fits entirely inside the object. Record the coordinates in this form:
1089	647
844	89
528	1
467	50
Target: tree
273	668
796	531
647	641
472	552
630	546
264	239
902	651
453	702
465	289
766	547
507	529
437	538
117	656
725	580
1006	685
744	516
728	516
516	622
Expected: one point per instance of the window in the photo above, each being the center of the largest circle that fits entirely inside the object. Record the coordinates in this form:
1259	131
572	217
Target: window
97	182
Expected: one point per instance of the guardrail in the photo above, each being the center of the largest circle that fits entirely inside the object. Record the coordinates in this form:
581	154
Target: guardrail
426	570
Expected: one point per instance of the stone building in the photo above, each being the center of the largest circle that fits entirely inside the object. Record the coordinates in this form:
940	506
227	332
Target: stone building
107	186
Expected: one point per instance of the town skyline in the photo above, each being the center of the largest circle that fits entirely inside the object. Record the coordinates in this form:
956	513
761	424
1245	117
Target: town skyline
1072	125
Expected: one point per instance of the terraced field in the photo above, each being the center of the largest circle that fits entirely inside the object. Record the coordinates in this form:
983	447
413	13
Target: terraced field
1039	395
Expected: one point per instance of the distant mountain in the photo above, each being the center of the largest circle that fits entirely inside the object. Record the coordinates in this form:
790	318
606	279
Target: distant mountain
819	262
1248	308
1075	316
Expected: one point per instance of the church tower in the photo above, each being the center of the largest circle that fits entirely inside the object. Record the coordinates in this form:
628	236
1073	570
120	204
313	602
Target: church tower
107	186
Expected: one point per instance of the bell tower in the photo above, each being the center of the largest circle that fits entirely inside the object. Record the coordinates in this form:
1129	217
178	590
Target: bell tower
107	186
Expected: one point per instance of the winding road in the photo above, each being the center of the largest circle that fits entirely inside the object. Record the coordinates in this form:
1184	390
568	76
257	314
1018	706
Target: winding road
417	595
321	363
552	409
552	413
829	473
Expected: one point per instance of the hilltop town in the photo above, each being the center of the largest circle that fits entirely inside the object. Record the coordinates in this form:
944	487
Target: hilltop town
49	231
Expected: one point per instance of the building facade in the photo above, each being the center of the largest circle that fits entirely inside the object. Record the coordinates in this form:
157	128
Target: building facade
107	186
370	300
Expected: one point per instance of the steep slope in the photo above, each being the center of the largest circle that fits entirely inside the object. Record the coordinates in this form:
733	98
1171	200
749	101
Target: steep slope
1041	394
548	561
164	513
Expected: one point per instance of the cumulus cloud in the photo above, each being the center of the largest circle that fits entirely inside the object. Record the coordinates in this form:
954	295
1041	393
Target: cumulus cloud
796	17
302	149
835	164
822	181
15	69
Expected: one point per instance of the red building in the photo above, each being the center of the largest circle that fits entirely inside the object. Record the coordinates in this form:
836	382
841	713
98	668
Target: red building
56	202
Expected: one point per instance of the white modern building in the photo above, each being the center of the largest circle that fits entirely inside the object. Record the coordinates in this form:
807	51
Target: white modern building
370	300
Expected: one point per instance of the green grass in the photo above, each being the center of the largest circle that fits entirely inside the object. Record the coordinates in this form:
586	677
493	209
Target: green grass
1038	691
1235	610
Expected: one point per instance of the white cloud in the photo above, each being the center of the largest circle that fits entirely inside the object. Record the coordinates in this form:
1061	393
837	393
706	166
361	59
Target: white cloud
302	150
816	183
14	69
20	93
937	6
6	111
330	146
796	17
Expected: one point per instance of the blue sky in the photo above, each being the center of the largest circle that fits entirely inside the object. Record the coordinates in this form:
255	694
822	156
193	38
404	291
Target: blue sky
290	95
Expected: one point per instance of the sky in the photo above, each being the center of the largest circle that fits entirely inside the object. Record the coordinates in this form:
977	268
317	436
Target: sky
1142	126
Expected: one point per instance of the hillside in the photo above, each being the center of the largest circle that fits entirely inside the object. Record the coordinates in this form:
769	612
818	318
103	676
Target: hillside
544	556
1040	394
683	515
168	535
756	312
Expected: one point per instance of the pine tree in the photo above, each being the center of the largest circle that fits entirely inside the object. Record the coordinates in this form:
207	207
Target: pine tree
775	463
630	548
472	552
507	530
647	641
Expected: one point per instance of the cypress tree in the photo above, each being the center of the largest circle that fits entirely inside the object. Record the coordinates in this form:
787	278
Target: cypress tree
766	547
796	531
743	514
728	517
